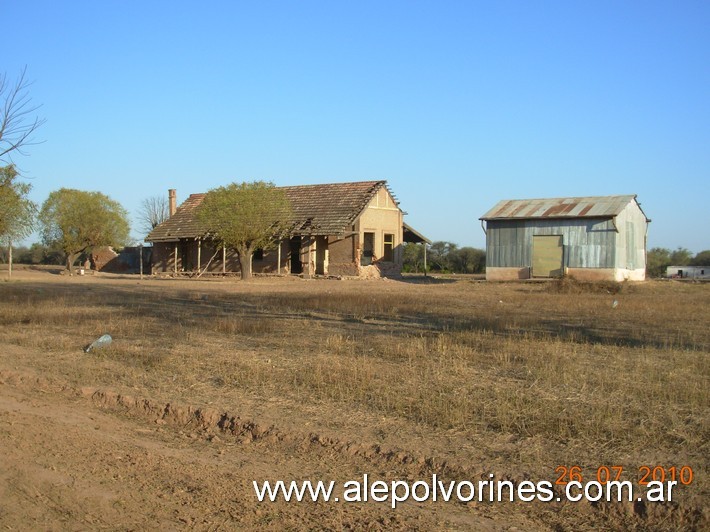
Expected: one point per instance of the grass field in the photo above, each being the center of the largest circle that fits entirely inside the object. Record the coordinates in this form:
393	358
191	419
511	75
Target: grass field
464	377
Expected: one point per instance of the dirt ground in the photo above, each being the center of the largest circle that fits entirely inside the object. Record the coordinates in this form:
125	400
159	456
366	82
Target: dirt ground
73	462
78	453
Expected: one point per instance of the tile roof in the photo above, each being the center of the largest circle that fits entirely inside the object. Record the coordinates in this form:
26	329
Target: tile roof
182	224
583	207
328	209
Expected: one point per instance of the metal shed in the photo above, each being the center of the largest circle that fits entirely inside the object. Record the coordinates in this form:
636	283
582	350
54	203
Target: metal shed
590	238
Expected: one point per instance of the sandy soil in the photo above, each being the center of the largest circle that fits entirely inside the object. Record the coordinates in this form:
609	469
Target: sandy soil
81	459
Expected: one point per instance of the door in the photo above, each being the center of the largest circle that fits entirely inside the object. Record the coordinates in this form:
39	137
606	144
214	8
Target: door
547	256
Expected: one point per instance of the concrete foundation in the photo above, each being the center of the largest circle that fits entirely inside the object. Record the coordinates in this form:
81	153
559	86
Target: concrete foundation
507	274
581	274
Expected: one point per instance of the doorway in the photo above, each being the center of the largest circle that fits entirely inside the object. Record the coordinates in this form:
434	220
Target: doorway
321	255
368	249
295	250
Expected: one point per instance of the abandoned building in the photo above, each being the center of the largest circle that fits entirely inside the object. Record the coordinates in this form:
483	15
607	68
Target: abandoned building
688	272
340	229
589	238
128	260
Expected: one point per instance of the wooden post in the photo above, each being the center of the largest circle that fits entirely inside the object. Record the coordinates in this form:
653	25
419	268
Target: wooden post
141	261
424	259
175	257
278	259
311	258
224	260
9	257
199	254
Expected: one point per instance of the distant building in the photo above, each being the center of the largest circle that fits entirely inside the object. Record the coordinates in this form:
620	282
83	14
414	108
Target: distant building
688	272
349	229
128	260
589	238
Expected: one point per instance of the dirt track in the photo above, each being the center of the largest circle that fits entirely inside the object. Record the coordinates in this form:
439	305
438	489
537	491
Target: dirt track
81	459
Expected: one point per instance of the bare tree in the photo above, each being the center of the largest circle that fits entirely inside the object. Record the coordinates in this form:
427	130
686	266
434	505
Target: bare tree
152	212
17	126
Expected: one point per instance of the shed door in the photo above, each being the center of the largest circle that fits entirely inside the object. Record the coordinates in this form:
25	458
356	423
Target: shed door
547	256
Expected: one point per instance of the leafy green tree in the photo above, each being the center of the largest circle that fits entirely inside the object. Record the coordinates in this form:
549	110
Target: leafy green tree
701	259
246	217
38	253
440	255
17	212
657	260
681	257
76	221
413	257
467	260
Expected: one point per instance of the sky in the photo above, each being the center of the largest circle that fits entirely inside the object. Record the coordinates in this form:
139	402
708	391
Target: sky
457	104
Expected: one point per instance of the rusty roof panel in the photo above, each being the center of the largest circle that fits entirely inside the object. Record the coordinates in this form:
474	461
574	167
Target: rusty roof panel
569	208
504	206
585	210
582	207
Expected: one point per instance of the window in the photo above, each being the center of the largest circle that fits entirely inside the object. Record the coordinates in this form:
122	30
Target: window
389	248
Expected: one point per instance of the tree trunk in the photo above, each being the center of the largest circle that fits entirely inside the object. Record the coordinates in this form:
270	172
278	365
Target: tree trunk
245	263
71	259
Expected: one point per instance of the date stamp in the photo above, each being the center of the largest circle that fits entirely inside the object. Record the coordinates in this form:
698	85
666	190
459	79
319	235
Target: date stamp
683	475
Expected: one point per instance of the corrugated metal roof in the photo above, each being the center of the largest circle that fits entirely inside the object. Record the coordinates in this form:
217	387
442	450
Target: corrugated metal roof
328	209
412	235
583	207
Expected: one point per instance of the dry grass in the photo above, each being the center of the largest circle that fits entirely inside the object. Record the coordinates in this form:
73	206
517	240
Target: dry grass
554	369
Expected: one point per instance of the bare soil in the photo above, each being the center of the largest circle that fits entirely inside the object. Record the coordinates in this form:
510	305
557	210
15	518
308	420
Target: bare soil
212	384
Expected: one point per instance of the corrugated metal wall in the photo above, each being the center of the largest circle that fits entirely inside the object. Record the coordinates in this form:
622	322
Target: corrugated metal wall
588	243
631	240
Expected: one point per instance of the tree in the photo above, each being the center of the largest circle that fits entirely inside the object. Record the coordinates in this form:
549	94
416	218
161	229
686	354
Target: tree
17	212
467	260
17	126
439	255
413	257
76	221
701	259
40	254
246	217
681	257
657	260
152	212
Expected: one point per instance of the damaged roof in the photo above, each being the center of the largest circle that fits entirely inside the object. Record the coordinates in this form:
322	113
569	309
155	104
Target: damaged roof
582	207
328	209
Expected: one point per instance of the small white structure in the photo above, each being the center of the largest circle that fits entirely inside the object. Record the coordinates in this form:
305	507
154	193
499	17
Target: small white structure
688	272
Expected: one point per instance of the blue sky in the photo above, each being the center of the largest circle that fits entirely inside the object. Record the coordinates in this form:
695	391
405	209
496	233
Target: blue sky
457	104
